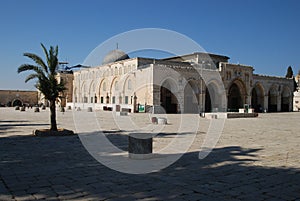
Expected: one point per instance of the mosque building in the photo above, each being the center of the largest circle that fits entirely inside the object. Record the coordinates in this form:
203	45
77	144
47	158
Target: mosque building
191	83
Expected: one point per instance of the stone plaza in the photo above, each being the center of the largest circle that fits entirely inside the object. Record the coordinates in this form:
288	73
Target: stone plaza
254	159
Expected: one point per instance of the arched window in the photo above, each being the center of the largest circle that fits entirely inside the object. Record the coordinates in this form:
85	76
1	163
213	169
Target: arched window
104	86
129	84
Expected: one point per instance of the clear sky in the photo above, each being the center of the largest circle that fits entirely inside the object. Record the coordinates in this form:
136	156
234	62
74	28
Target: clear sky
263	34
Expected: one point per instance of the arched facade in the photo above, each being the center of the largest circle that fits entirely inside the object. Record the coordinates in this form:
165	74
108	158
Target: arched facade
173	84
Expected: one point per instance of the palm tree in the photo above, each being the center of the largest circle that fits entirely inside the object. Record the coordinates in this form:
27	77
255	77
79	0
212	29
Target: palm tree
45	73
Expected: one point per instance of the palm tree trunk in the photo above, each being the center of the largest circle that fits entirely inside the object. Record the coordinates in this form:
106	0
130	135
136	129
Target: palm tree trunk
53	116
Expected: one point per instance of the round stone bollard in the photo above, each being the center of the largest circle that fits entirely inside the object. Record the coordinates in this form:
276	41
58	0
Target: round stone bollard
22	109
140	145
90	109
154	120
36	109
162	120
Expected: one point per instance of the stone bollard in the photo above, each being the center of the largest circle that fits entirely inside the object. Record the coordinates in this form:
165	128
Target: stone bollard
154	120
17	108
36	109
140	145
89	109
123	113
161	120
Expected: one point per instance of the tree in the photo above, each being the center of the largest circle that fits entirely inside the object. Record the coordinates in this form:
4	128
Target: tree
289	73
45	73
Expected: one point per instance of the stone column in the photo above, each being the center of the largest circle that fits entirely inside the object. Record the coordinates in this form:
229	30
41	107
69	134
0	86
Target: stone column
266	102
278	103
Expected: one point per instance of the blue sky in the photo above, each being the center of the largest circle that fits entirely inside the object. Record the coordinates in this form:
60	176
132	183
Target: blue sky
263	34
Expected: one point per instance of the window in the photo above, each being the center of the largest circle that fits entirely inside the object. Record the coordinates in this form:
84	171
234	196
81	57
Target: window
85	99
101	99
296	102
91	99
126	99
113	100
129	85
104	86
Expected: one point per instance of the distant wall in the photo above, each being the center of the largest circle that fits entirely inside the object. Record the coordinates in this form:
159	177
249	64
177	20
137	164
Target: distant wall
16	97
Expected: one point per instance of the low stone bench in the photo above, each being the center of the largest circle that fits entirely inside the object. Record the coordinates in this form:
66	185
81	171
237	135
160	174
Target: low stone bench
126	110
140	145
162	120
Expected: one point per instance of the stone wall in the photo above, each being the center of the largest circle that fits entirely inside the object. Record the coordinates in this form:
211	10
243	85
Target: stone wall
14	97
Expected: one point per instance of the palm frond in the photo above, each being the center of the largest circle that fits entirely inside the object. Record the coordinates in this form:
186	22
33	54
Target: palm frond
54	61
27	67
38	60
46	53
31	76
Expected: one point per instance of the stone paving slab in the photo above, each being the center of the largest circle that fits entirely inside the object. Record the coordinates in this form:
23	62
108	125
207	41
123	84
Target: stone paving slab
255	159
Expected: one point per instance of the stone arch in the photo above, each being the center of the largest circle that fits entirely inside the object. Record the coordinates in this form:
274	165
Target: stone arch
128	89
115	91
192	92
103	92
286	99
76	100
84	93
237	94
92	93
273	98
257	97
212	97
16	102
168	99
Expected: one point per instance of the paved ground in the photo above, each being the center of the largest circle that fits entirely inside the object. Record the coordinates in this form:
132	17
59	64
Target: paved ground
255	159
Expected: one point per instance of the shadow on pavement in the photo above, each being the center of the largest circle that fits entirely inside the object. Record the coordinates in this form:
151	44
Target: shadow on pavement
61	168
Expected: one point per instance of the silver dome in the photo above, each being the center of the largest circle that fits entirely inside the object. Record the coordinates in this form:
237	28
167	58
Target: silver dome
115	55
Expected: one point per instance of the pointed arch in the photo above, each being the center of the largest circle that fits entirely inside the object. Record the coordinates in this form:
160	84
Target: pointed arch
286	99
237	95
257	97
168	99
